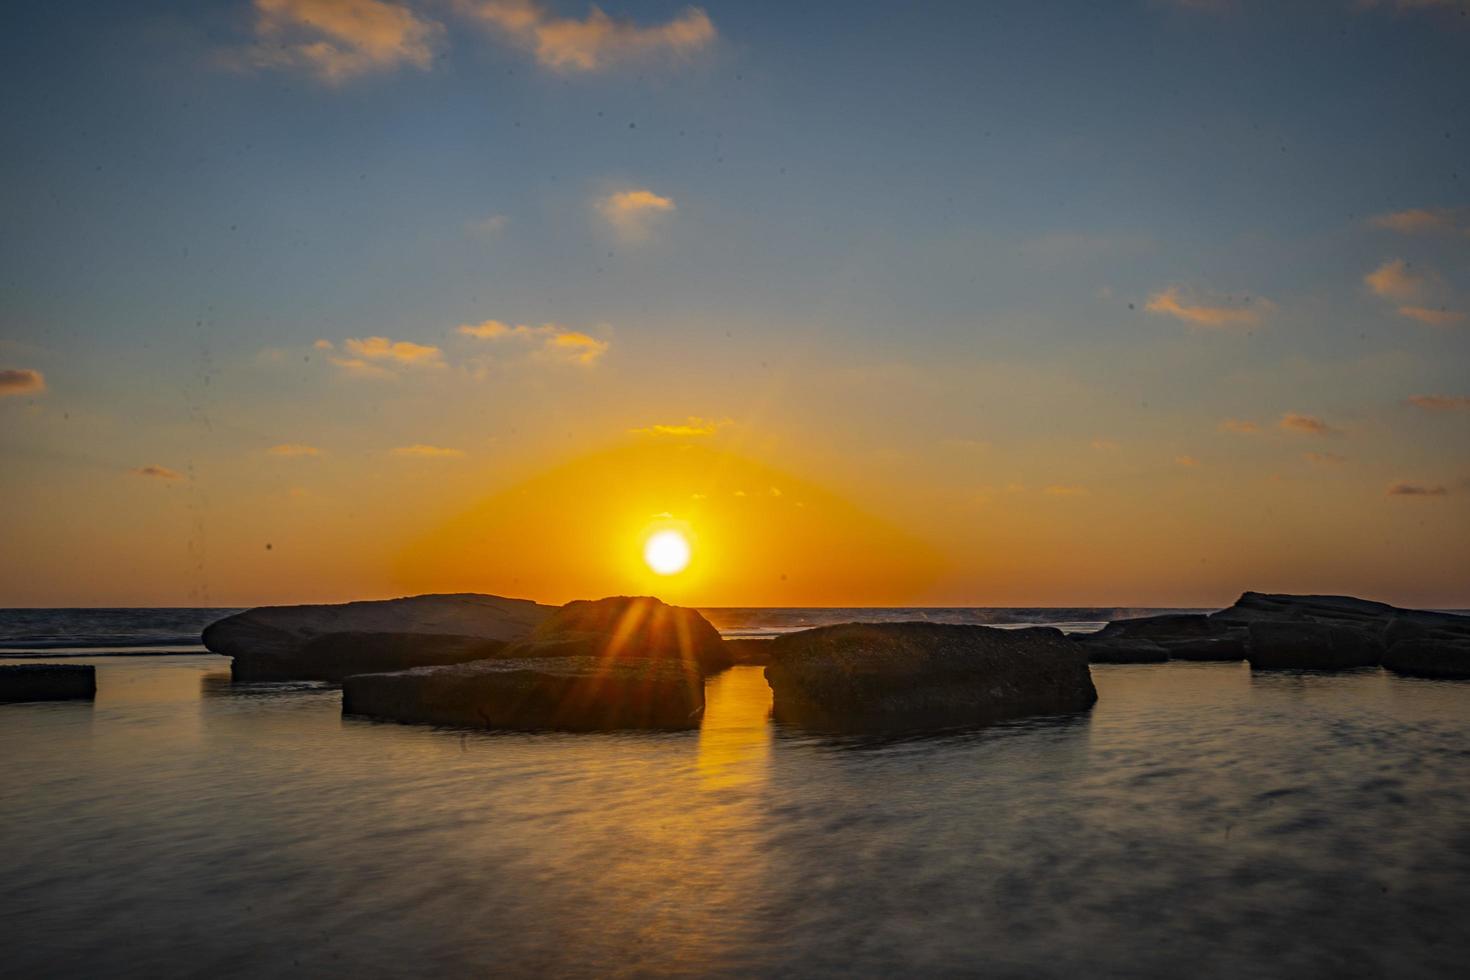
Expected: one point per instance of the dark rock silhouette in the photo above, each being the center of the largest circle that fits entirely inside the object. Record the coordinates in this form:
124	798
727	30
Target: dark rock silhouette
48	682
748	652
1311	632
554	693
861	676
268	643
333	656
627	627
1153	639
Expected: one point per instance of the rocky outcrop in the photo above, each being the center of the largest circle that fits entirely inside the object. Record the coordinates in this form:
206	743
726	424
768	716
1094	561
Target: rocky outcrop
333	656
1334	632
1153	639
554	693
924	676
1310	646
1304	632
1430	657
48	682
627	627
269	643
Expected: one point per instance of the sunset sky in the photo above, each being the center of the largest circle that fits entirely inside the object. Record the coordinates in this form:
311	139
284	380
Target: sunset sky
881	303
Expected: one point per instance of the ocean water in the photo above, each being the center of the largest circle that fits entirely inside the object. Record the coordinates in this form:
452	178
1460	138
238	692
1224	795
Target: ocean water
1201	820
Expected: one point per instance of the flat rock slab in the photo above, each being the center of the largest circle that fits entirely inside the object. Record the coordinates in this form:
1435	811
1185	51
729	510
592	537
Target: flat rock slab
268	643
1429	657
915	676
334	656
1172	636
48	682
553	693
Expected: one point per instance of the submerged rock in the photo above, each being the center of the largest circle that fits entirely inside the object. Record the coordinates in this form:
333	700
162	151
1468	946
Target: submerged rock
924	675
269	643
553	693
48	682
627	627
333	656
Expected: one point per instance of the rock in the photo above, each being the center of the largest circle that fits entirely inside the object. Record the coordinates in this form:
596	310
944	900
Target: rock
556	693
924	675
333	656
267	642
1309	646
1359	631
48	682
1124	652
748	652
627	627
1180	636
1429	656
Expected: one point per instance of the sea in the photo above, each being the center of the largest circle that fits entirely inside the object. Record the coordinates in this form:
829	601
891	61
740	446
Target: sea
1200	820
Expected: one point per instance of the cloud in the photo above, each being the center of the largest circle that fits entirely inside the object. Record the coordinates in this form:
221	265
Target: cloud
21	381
1308	424
294	449
595	42
323	344
1421	221
1439	403
1104	445
1402	489
691	428
488	226
396	351
632	212
1394	280
1435	318
1325	459
428	452
1239	426
1227	313
157	473
1059	490
554	342
1185	461
360	368
337	40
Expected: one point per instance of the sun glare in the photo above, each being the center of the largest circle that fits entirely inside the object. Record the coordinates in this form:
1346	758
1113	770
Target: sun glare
666	552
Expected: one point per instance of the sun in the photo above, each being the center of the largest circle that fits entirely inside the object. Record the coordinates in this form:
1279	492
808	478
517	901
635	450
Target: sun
666	552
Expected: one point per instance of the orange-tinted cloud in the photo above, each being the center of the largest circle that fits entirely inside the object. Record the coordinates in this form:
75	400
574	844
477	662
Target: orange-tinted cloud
1394	280
1439	403
337	40
1239	426
428	452
692	427
21	381
394	351
1185	461
1435	318
1402	489
1325	459
1419	221
294	449
157	473
597	41
632	212
1308	424
555	342
1229	313
1063	490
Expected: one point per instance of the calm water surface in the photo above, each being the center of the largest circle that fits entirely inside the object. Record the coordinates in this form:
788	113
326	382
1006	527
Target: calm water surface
1201	820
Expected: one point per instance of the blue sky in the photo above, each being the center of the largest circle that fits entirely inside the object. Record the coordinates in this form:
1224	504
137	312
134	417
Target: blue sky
871	231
